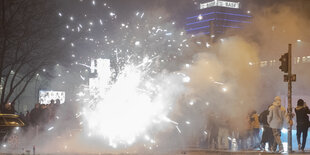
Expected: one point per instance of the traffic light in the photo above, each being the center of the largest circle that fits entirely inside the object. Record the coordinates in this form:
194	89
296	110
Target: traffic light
284	63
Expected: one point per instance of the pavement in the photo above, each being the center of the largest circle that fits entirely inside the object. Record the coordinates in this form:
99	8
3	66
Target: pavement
179	152
223	152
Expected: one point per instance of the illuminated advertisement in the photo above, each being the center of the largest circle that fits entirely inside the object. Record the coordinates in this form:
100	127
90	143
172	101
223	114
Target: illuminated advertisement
227	4
45	97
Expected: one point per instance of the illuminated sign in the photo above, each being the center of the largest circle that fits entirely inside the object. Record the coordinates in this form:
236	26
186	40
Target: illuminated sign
45	97
227	4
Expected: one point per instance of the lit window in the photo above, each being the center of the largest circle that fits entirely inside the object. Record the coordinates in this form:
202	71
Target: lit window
304	59
298	60
308	58
263	63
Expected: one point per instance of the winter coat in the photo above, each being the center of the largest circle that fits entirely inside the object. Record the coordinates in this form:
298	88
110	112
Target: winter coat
254	121
302	117
263	118
277	114
35	116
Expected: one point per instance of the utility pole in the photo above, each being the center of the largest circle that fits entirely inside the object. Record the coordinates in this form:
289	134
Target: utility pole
289	97
286	67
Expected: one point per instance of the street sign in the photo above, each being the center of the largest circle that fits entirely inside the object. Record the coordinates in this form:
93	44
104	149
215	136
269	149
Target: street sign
293	78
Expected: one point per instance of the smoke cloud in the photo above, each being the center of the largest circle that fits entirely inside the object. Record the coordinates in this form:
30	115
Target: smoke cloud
226	80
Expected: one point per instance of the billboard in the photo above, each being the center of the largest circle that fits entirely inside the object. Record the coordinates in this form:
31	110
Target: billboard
227	4
45	97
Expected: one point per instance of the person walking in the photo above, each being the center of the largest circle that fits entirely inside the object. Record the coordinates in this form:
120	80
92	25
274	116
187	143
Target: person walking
255	130
302	120
213	129
276	117
267	136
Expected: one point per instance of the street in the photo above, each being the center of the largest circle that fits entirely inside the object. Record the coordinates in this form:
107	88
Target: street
181	152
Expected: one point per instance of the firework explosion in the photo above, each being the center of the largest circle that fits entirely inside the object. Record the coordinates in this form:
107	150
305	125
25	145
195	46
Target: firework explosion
145	77
132	92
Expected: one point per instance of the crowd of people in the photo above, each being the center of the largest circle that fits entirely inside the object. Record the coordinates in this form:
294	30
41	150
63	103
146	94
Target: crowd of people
271	121
43	114
39	116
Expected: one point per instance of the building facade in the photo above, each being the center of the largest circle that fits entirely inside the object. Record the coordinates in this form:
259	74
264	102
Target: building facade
216	17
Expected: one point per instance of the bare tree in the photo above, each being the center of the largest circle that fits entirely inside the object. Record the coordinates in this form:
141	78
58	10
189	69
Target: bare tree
29	40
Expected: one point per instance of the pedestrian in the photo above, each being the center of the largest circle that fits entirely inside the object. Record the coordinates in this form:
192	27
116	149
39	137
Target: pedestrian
254	122
27	116
267	136
213	129
276	117
302	120
245	133
9	108
34	115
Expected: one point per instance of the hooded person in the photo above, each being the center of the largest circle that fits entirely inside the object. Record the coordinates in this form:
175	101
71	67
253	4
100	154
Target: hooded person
302	120
276	117
267	136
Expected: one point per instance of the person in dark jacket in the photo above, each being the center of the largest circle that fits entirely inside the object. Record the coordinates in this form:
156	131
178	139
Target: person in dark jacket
35	115
9	108
302	120
267	136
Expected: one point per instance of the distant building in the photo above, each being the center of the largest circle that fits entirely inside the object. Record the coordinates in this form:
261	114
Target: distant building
216	17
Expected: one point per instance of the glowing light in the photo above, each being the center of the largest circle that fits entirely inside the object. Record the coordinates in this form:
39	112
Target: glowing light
186	79
191	103
284	130
250	63
51	128
227	4
197	28
224	89
225	13
208	45
178	129
124	110
137	43
200	17
248	11
112	14
298	40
